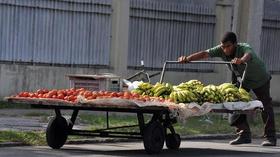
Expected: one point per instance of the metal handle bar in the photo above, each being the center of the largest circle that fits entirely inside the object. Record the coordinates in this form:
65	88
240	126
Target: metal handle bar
138	73
203	62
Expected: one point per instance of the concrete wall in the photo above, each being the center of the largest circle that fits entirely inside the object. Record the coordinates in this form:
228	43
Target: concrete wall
15	78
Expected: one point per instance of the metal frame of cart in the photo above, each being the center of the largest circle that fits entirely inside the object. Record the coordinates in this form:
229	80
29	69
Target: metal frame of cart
153	133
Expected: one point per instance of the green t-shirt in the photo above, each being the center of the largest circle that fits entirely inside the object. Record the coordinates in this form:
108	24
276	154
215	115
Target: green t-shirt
256	74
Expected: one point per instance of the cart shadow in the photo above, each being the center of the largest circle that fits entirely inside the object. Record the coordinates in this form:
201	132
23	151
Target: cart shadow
165	152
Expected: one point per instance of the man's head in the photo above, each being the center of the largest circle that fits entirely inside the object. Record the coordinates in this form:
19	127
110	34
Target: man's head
229	43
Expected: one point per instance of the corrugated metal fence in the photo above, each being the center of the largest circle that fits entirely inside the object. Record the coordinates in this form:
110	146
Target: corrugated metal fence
162	31
78	32
55	32
270	47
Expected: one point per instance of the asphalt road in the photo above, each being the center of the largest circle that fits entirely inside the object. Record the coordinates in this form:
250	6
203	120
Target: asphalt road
197	148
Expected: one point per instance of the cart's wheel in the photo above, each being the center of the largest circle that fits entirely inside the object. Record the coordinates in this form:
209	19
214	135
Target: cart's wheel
173	141
57	132
154	137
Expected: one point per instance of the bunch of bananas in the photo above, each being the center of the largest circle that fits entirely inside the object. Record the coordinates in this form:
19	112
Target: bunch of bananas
190	85
144	89
162	90
183	96
244	95
194	91
194	86
230	92
211	93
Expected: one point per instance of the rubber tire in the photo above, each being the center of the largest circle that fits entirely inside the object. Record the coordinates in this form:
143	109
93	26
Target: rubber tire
173	141
153	137
57	132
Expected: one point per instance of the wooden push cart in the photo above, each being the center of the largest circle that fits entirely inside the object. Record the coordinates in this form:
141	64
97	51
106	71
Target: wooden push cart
153	132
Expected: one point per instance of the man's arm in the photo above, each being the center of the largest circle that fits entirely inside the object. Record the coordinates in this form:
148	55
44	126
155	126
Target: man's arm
193	57
244	59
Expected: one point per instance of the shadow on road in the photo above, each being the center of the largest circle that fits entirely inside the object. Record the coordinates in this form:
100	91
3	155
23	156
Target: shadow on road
181	152
87	150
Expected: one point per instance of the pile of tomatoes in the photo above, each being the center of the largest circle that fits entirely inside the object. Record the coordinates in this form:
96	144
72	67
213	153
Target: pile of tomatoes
72	94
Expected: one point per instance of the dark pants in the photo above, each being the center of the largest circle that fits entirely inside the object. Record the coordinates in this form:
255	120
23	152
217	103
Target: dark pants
240	120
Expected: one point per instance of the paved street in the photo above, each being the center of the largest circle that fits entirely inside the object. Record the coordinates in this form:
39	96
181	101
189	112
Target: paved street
188	148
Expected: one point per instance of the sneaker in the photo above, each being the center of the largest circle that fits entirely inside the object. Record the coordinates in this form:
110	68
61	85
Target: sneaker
269	142
240	140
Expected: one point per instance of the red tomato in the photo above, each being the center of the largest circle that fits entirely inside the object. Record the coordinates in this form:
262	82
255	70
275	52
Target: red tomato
49	95
53	92
126	94
35	95
31	95
45	95
75	93
61	92
127	97
82	93
114	94
135	95
122	97
80	89
45	91
66	98
23	94
94	93
90	98
101	93
72	98
87	94
120	94
60	96
107	93
40	91
69	93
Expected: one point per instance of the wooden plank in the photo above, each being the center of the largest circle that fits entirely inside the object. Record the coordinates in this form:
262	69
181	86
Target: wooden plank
112	103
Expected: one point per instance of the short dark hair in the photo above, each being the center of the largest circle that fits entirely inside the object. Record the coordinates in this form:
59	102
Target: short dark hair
229	36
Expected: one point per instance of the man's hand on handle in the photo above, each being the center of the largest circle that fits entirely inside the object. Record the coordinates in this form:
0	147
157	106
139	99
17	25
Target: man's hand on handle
237	61
183	59
244	59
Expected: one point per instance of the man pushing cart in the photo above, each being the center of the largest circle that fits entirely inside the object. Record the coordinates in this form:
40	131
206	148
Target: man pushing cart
257	79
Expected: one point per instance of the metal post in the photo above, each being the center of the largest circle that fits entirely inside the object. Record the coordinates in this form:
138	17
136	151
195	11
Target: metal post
107	119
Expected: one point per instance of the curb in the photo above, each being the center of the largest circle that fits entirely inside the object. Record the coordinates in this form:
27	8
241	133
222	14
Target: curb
12	144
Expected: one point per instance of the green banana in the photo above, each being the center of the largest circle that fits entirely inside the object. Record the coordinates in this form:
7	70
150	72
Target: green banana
160	91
